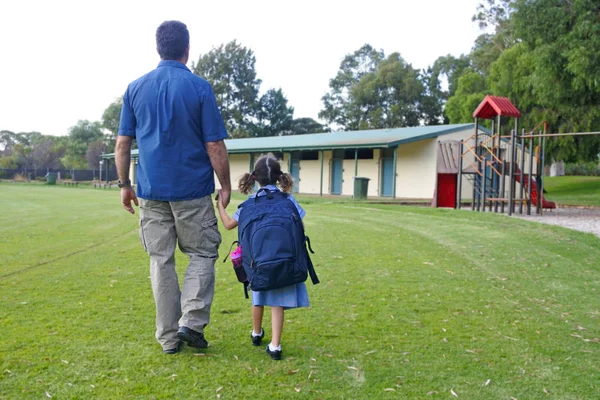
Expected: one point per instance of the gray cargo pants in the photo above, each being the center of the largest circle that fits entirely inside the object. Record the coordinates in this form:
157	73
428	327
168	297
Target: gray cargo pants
191	224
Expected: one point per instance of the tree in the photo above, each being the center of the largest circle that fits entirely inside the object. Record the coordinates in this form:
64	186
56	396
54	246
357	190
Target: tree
389	97
111	119
230	70
93	153
80	136
301	126
46	153
274	117
337	103
470	92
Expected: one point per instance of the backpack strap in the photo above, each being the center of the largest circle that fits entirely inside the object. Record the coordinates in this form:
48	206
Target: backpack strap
311	271
246	289
231	247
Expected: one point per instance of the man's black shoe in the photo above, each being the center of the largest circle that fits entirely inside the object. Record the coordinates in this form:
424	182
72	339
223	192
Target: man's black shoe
257	340
192	338
174	350
275	355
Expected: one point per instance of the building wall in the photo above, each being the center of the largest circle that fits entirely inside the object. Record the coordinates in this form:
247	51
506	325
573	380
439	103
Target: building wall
416	169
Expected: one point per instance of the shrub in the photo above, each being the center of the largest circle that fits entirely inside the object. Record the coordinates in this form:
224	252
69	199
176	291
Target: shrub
582	169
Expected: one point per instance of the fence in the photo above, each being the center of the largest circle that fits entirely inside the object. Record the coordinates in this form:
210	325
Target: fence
75	175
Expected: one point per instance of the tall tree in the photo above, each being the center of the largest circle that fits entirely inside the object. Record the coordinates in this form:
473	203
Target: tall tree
80	136
94	151
301	126
230	70
337	103
389	97
275	116
471	91
111	118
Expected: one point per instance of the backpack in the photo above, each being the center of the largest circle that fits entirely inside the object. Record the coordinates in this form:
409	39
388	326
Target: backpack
271	234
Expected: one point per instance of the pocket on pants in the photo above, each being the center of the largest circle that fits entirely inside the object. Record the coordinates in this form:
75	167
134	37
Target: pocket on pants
210	237
142	237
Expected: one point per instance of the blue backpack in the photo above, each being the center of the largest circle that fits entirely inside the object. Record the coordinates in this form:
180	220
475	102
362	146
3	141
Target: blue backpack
274	245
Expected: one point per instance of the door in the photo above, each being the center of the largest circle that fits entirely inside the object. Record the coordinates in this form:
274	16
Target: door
446	190
295	172
336	175
387	177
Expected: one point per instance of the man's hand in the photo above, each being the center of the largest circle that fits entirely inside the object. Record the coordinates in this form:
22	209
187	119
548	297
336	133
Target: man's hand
127	196
224	196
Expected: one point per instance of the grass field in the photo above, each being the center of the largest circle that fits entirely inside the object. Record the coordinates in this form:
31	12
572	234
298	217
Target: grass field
414	303
574	190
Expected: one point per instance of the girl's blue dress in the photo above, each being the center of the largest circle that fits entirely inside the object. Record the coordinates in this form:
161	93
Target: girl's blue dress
293	296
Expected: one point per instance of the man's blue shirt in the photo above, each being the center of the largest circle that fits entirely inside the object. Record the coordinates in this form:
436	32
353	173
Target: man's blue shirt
172	113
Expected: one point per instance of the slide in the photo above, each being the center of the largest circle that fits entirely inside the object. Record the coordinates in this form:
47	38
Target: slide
534	192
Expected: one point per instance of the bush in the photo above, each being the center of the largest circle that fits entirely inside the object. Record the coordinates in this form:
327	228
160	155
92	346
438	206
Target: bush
40	179
3	175
67	176
582	169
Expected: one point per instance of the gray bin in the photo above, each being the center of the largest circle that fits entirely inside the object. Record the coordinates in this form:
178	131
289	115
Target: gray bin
361	187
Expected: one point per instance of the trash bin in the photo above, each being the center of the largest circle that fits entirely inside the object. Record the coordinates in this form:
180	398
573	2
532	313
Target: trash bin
51	178
361	187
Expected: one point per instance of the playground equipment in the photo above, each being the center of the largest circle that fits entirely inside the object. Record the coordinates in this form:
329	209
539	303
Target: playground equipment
494	164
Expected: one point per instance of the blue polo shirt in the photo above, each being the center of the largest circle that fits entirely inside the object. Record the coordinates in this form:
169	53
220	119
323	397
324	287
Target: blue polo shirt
172	113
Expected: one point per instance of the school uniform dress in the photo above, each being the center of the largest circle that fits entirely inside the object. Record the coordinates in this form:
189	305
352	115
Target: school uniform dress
292	296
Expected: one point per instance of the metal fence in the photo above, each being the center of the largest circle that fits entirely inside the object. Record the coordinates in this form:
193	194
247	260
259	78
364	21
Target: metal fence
69	174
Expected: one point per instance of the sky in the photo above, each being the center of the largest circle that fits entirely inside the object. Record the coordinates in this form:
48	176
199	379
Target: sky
64	61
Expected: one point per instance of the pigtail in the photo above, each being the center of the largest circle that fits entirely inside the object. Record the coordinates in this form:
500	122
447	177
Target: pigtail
246	183
286	182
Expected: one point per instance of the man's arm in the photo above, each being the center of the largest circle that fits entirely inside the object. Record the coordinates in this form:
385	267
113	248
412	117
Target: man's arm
217	152
123	160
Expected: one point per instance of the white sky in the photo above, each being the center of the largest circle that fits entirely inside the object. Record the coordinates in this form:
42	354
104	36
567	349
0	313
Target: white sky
63	61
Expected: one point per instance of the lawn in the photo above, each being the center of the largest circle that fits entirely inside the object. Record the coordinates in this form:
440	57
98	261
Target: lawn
573	190
414	303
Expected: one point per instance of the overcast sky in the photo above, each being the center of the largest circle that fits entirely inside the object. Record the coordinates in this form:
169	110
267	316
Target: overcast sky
65	61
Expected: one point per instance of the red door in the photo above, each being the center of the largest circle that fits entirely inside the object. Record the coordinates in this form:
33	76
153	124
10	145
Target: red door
446	190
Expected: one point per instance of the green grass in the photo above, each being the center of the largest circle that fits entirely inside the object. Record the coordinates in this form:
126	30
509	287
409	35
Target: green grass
573	190
414	303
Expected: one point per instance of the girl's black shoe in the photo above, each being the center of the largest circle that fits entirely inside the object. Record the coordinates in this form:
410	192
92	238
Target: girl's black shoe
275	354
257	340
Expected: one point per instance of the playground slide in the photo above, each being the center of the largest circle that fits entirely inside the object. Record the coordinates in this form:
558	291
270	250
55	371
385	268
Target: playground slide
534	192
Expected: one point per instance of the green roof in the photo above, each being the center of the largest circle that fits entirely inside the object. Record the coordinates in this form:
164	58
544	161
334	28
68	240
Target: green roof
376	138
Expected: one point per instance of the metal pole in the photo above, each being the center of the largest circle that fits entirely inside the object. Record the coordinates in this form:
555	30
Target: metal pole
541	193
395	172
522	174
503	185
321	184
483	183
538	204
107	165
459	183
475	180
511	171
531	151
355	162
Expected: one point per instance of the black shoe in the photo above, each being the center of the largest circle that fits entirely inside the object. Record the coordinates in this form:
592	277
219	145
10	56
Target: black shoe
192	338
275	355
257	340
174	350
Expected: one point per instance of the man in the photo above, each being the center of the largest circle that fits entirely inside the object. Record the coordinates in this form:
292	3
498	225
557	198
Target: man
179	130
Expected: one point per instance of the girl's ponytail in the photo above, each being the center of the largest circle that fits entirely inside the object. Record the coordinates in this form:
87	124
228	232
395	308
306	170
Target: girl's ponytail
246	183
286	182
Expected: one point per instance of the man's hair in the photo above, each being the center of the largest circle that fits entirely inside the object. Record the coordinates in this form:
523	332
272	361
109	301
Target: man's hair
172	38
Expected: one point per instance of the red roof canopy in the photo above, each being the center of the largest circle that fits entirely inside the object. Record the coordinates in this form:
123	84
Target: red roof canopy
493	106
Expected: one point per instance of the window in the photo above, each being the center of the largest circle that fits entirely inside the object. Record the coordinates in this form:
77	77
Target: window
363	154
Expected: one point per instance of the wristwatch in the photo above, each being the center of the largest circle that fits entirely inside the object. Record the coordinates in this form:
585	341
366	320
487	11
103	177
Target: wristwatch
127	183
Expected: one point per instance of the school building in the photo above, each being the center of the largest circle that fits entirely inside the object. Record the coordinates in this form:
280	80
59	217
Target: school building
400	162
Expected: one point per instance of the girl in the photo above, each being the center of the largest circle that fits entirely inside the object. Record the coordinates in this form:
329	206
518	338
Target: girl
267	172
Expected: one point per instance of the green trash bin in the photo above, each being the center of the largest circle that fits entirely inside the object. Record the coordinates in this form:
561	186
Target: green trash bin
361	187
51	178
